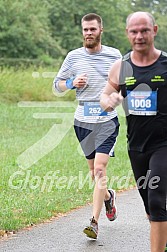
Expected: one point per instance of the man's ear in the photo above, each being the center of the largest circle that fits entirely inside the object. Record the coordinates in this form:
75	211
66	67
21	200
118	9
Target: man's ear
155	29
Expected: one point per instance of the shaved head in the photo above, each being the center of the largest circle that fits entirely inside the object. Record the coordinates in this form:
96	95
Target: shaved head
140	14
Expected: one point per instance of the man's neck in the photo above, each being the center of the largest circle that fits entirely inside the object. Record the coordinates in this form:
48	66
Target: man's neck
95	49
145	58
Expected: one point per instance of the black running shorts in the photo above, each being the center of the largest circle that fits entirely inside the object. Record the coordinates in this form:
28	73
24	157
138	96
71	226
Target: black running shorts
97	137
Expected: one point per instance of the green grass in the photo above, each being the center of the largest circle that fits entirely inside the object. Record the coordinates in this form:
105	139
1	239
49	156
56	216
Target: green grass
57	181
28	84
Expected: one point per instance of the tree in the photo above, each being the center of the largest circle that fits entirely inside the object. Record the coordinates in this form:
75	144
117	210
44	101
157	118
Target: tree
35	29
24	30
65	20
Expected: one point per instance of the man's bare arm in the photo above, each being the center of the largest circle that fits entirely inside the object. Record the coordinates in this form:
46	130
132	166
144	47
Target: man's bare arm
111	97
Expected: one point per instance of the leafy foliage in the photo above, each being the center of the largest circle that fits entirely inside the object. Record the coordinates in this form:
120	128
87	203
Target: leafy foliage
46	29
24	30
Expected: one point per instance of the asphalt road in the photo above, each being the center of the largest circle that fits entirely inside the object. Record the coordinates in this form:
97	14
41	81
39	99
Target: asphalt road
128	233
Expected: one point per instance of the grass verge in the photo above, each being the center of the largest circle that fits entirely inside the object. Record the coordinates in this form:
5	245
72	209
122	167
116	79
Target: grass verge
43	172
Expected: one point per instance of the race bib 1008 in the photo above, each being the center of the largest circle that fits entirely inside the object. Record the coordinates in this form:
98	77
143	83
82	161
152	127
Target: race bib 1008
142	102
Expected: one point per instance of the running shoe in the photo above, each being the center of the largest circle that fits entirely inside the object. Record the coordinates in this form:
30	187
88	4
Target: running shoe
92	230
111	209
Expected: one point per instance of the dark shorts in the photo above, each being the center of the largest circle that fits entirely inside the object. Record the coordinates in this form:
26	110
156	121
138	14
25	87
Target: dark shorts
97	137
150	171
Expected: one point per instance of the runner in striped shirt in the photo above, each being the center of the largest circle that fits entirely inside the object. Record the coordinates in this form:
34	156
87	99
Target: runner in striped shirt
86	71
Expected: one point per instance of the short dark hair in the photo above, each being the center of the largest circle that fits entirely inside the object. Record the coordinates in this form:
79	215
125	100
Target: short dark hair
92	16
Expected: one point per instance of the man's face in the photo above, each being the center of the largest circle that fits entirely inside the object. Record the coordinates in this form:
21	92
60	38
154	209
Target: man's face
91	33
141	33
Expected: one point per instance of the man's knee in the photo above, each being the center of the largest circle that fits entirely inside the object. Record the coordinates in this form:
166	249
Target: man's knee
157	209
100	171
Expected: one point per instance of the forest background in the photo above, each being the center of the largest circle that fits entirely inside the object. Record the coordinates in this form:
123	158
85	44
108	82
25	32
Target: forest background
45	30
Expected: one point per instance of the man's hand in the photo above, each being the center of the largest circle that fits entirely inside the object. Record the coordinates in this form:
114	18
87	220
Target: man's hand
114	100
80	81
110	102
